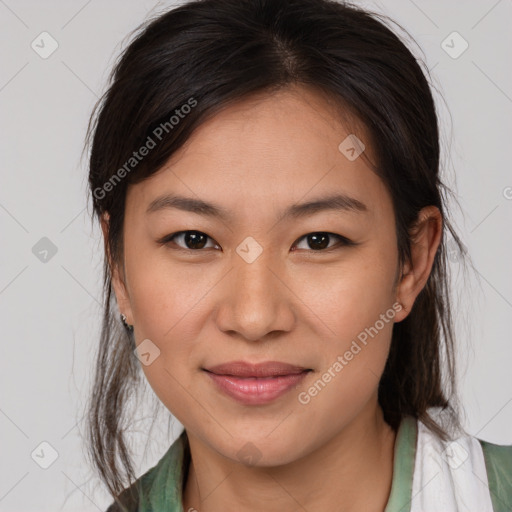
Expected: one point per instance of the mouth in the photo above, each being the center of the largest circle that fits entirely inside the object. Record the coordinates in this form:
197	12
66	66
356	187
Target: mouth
256	384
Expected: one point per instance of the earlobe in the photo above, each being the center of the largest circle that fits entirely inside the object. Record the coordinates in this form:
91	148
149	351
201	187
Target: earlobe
425	239
117	277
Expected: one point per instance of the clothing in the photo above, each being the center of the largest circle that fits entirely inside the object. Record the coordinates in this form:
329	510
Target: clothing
429	475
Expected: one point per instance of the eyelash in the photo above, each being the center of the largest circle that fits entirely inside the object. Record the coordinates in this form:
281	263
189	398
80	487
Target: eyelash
343	241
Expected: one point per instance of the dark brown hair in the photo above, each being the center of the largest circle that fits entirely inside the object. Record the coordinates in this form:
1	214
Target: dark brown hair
211	53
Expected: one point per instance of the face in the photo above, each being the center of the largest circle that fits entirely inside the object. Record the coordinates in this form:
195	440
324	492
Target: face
312	287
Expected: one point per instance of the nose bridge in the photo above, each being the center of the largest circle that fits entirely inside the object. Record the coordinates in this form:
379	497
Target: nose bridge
255	280
258	302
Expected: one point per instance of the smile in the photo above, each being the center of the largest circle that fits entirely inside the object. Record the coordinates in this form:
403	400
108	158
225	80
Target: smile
257	384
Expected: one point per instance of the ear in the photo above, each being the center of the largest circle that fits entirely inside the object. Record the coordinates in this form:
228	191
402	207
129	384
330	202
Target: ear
117	273
425	238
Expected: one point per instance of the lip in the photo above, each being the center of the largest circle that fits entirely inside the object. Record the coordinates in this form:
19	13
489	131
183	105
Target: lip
256	384
265	369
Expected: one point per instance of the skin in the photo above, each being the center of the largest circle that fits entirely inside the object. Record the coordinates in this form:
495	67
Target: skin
302	306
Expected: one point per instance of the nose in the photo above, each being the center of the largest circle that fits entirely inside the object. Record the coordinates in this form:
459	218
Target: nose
257	301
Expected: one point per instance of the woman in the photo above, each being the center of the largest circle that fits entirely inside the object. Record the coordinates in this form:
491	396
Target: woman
266	175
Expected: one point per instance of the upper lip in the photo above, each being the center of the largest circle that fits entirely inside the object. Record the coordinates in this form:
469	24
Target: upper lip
265	369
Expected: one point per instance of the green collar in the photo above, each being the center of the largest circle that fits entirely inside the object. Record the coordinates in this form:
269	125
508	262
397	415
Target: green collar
161	487
403	466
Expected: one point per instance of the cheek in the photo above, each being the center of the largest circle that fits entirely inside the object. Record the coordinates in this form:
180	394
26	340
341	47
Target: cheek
357	307
353	303
164	294
171	305
350	295
168	306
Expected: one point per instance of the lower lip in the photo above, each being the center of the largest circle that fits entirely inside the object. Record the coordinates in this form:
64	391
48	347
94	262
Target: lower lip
256	391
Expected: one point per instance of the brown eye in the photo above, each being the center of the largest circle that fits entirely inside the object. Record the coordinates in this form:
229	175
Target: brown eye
191	240
320	240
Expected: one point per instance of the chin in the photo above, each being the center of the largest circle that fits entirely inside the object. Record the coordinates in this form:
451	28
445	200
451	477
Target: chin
255	451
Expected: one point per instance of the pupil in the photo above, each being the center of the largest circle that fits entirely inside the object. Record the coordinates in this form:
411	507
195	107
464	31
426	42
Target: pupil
192	240
318	241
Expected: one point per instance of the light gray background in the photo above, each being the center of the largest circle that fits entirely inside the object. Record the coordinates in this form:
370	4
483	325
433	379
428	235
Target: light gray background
50	312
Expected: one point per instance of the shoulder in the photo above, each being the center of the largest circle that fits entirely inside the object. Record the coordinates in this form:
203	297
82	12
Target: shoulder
498	462
133	497
463	472
160	484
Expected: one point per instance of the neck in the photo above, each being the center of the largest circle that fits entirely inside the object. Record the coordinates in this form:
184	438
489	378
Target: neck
336	476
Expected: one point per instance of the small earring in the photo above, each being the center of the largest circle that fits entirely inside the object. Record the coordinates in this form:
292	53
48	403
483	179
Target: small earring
127	325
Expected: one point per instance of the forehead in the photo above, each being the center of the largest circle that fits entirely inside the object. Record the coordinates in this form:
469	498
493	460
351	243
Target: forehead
269	151
299	120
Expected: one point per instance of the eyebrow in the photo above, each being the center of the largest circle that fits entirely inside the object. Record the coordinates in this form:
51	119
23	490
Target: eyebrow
336	202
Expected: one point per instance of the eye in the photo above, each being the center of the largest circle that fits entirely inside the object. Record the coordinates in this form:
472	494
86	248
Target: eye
319	241
192	240
196	240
